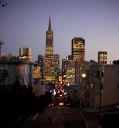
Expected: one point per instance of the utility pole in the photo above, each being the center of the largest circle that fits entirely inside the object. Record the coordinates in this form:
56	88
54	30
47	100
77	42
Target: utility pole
100	95
99	76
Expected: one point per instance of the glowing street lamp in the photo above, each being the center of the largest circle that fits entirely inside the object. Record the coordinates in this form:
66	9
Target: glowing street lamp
83	75
60	95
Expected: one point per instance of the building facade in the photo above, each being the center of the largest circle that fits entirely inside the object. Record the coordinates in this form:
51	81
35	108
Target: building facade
37	72
16	71
56	67
102	57
38	68
49	75
68	72
80	69
103	88
78	49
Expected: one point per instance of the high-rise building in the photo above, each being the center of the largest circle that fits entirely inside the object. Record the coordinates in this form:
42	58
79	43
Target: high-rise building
41	64
102	57
49	75
78	49
80	69
69	57
25	54
38	68
56	67
41	59
37	71
68	72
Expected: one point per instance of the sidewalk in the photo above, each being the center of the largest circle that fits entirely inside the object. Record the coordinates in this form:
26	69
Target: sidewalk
93	118
89	109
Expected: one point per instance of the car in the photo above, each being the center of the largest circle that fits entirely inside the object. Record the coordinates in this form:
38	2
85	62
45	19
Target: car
116	107
61	104
50	105
67	105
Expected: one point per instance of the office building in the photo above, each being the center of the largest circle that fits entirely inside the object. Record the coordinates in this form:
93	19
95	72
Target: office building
56	67
37	74
38	68
49	75
78	49
68	72
102	57
80	68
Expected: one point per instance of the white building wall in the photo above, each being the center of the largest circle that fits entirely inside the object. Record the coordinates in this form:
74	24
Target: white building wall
23	72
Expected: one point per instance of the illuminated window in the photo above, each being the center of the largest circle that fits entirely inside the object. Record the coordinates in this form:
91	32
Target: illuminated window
17	69
21	69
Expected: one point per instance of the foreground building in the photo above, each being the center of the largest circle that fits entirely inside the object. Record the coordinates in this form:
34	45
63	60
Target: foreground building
103	86
15	70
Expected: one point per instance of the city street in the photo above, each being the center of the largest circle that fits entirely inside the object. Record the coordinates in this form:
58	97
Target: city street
61	117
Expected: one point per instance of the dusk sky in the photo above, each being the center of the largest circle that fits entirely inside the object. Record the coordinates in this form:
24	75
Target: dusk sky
97	21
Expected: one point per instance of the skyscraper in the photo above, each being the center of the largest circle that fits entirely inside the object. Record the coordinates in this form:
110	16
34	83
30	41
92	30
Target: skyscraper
56	67
49	75
78	49
102	57
68	72
38	68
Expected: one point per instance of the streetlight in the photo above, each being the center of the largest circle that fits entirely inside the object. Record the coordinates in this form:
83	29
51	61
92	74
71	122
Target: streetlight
83	75
82	81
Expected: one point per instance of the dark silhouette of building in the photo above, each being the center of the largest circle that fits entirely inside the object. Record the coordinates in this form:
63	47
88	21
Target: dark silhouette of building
116	62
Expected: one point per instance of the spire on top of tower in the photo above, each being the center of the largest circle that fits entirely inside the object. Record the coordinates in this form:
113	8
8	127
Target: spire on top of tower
49	26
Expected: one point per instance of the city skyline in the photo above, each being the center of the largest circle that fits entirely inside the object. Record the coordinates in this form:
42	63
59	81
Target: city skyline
27	21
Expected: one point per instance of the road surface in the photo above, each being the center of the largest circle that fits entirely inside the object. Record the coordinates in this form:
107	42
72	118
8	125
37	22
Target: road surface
61	117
